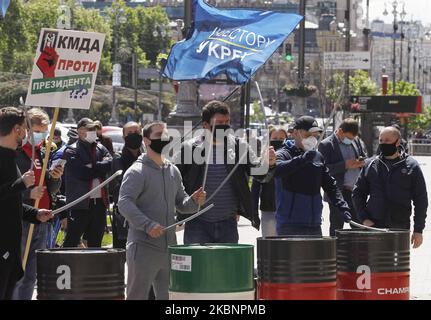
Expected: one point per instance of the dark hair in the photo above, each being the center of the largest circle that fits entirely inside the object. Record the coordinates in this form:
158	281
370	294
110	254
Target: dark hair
350	125
148	128
9	118
213	107
57	132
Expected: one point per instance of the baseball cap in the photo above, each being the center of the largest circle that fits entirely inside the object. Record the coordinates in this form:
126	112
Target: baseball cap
86	123
307	123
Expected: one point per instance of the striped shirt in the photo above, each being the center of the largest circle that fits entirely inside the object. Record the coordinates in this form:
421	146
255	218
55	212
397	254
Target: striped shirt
226	203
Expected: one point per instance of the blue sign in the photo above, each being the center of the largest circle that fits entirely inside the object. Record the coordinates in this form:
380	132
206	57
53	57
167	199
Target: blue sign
232	42
4	4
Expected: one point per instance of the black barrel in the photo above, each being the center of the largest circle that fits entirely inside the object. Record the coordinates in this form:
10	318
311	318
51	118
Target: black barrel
296	268
373	265
78	274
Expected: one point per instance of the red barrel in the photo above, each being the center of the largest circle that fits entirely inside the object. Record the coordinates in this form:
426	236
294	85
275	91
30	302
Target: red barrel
373	265
296	268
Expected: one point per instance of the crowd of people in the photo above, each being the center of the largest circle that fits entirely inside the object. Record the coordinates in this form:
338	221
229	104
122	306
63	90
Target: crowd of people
154	192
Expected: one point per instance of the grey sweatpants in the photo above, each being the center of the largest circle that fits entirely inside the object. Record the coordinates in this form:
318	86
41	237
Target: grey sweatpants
146	266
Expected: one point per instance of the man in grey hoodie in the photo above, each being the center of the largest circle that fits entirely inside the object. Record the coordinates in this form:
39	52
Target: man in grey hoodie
151	192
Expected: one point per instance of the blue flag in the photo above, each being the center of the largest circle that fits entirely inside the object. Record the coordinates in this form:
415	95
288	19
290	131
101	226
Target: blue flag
4	4
234	42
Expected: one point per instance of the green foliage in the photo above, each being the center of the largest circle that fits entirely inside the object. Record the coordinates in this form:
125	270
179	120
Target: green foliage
20	29
360	84
305	91
146	30
334	88
257	116
422	120
404	89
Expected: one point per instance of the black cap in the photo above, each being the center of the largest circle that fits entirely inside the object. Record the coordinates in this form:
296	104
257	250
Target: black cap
307	123
86	123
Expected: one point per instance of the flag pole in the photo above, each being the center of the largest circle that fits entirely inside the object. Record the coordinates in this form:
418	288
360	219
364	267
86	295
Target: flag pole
41	183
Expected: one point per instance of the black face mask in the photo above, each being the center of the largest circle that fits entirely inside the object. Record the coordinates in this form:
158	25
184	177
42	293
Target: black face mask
388	150
277	144
157	145
133	141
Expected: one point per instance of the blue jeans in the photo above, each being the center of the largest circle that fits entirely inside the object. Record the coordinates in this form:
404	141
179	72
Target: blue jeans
25	287
292	230
200	231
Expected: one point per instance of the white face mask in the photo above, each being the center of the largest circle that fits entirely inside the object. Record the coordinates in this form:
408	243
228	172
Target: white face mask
39	137
91	136
309	143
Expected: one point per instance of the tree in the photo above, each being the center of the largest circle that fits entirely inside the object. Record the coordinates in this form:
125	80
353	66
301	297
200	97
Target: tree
404	88
360	84
14	38
90	20
422	120
257	116
146	31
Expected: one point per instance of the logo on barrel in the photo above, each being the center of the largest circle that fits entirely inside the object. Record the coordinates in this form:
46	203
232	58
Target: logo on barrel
372	285
64	280
364	280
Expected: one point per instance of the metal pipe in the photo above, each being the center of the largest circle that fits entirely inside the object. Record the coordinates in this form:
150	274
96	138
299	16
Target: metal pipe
301	60
88	194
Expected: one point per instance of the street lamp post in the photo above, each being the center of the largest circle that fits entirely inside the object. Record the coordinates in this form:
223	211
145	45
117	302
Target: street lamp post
160	31
402	16
119	18
65	22
395	12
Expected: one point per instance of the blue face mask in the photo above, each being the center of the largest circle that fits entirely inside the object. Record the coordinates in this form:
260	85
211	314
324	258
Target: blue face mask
39	137
347	141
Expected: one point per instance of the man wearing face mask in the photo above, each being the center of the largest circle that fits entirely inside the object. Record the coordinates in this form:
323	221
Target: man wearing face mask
388	185
103	139
151	193
265	192
88	164
220	224
39	121
13	210
300	174
132	134
344	157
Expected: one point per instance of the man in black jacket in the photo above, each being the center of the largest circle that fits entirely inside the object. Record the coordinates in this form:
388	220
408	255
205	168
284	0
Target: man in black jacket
88	163
388	185
344	157
132	134
300	174
219	224
12	184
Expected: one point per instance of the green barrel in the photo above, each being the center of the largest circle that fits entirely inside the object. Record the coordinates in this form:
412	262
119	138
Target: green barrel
211	271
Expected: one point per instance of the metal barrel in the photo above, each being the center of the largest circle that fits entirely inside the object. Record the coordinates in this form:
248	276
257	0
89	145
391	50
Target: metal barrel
373	265
211	272
78	274
296	268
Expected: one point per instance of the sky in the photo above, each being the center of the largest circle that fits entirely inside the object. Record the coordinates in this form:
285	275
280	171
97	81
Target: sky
418	9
